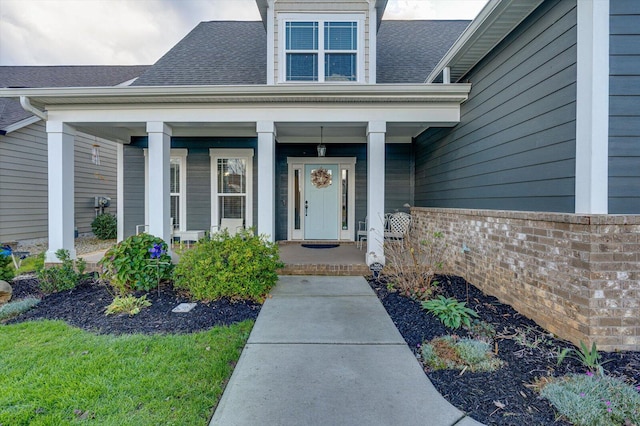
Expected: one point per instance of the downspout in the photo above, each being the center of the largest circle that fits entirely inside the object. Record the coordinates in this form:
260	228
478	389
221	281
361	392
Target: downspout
26	105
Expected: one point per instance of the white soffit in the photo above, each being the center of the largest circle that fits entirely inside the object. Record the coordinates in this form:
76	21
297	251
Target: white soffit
494	22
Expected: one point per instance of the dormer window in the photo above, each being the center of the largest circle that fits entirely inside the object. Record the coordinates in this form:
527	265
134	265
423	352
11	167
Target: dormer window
322	50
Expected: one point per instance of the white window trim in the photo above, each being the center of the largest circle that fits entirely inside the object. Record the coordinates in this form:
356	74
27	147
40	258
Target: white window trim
348	163
181	155
283	18
247	155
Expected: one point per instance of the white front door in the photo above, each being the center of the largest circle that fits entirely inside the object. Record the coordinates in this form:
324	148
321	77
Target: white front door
321	203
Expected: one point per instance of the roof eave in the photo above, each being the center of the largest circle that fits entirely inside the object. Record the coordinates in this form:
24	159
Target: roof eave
335	93
19	124
494	22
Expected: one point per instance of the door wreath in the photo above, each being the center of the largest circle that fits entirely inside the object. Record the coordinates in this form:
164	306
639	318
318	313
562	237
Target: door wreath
321	177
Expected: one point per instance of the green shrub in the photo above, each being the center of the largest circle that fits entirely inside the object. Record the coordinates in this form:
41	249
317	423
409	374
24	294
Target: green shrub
127	304
452	313
449	352
61	277
413	262
591	400
7	271
104	226
13	309
128	265
240	267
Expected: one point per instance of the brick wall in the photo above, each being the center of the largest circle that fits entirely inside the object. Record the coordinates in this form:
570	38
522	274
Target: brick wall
578	276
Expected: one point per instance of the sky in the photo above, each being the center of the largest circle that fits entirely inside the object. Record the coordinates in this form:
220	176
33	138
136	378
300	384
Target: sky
139	32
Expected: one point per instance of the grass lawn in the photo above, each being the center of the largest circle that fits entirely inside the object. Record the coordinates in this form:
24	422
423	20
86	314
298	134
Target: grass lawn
54	374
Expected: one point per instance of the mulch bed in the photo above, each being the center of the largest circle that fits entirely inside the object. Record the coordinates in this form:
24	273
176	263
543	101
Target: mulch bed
84	307
529	352
500	398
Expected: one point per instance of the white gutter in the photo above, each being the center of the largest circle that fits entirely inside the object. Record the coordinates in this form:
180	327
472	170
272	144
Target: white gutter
376	93
20	124
26	105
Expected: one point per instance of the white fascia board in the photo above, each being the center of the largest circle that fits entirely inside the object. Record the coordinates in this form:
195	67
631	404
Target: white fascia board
270	23
464	38
241	94
20	124
492	11
446	112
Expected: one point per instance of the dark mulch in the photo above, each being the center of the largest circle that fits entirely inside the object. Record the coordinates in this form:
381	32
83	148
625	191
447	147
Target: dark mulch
527	349
84	307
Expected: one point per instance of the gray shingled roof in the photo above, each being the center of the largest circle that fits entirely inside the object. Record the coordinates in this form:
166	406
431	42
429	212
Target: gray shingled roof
409	50
213	53
229	53
235	52
58	76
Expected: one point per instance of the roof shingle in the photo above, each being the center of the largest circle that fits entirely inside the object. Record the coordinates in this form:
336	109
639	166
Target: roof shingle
409	50
234	53
213	53
58	76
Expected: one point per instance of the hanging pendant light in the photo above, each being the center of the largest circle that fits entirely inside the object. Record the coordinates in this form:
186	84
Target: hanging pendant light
322	149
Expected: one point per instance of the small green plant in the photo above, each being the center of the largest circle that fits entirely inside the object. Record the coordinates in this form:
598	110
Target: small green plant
482	330
62	277
242	266
105	226
590	400
126	265
452	313
13	309
31	264
449	352
127	305
590	358
7	271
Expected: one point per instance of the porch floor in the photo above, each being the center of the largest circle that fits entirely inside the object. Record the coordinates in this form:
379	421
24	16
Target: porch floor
346	259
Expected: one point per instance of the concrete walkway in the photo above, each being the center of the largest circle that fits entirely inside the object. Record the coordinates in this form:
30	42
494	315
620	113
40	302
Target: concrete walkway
324	351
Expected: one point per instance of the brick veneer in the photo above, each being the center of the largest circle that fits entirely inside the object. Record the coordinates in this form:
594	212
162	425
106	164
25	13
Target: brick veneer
578	276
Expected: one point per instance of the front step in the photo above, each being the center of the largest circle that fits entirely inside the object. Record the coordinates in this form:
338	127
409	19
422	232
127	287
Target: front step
324	269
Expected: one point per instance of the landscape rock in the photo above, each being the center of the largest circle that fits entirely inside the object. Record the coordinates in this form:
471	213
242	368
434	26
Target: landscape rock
5	292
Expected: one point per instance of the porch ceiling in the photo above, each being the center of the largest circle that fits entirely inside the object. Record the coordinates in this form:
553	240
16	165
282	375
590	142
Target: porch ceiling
286	132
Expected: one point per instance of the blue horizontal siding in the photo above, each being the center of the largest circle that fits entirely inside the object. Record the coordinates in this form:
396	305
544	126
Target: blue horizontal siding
624	107
514	147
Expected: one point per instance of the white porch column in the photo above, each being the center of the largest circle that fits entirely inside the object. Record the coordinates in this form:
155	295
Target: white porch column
120	190
376	131
592	108
266	178
159	169
60	143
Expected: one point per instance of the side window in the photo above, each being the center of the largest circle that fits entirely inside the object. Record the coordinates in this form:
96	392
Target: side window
231	185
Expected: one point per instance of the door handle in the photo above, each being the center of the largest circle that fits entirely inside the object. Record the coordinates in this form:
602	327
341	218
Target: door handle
306	207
